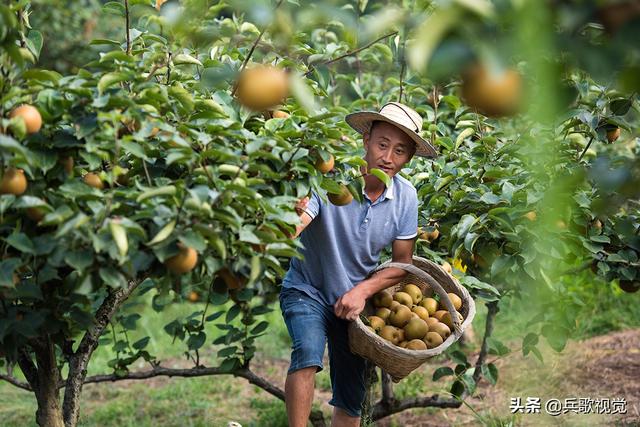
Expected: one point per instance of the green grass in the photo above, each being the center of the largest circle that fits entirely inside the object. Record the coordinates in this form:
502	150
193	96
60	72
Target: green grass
214	401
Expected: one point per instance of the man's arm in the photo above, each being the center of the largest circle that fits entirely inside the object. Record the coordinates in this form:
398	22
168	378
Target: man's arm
305	218
351	304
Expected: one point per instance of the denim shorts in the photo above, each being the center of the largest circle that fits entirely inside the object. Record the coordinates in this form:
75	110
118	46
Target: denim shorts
311	325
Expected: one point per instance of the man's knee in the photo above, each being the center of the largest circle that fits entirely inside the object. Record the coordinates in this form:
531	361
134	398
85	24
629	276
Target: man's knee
308	372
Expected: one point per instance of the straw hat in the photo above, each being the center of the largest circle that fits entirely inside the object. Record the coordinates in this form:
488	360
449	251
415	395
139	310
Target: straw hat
399	115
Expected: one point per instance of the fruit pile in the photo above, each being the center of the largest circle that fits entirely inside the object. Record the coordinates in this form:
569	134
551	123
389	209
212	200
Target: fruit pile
411	320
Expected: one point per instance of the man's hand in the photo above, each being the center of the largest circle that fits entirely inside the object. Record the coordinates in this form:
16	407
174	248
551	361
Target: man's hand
301	205
351	304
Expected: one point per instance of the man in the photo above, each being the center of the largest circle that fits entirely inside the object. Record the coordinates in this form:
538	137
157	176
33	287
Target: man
342	244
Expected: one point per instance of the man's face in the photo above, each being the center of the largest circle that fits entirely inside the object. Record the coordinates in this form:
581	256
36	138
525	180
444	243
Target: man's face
387	148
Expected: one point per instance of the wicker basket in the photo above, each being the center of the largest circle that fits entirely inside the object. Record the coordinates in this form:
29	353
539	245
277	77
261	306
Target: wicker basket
397	361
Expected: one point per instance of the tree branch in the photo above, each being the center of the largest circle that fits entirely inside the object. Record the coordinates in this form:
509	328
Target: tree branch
353	52
80	359
126	17
380	411
28	368
16	382
387	390
493	309
255	43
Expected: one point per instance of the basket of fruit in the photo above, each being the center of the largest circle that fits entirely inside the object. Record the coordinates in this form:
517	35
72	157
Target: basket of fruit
406	324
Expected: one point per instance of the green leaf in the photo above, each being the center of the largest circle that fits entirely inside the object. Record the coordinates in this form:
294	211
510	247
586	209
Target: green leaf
260	327
42	75
600	238
228	351
110	79
442	372
21	242
497	347
167	190
196	341
183	58
119	236
34	42
79	260
10	144
114	7
378	173
556	336
459	357
464	135
232	313
457	388
529	343
163	233
490	372
141	343
502	263
183	96
7	268
620	107
112	277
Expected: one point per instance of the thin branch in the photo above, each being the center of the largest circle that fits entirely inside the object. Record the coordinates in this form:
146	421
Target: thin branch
578	269
200	371
493	309
434	401
403	61
586	148
16	382
126	17
255	43
353	52
387	389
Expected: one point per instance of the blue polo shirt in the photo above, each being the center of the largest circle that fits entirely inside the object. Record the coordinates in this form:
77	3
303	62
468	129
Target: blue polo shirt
342	244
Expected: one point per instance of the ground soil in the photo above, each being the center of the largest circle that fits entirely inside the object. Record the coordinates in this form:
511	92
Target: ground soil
601	367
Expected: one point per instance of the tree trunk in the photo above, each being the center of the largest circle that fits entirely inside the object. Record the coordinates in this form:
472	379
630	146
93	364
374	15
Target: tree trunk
44	380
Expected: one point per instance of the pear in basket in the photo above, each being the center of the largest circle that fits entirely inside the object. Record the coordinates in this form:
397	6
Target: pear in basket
422	312
400	316
376	323
416	345
455	300
441	329
383	313
414	291
415	329
430	304
382	299
403	298
433	339
390	334
438	314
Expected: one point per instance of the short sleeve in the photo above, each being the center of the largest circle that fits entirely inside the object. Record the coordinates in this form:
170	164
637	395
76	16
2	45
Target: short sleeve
408	227
313	207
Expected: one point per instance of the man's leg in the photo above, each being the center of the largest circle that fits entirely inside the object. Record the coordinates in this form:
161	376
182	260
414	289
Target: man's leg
298	395
347	376
306	324
341	419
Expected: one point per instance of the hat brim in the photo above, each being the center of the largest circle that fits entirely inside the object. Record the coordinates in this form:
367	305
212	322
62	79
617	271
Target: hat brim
361	122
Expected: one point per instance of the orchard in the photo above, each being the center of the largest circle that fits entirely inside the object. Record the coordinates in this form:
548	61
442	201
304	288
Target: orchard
152	153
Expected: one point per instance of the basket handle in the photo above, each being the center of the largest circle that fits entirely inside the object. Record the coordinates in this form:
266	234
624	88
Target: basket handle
434	285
